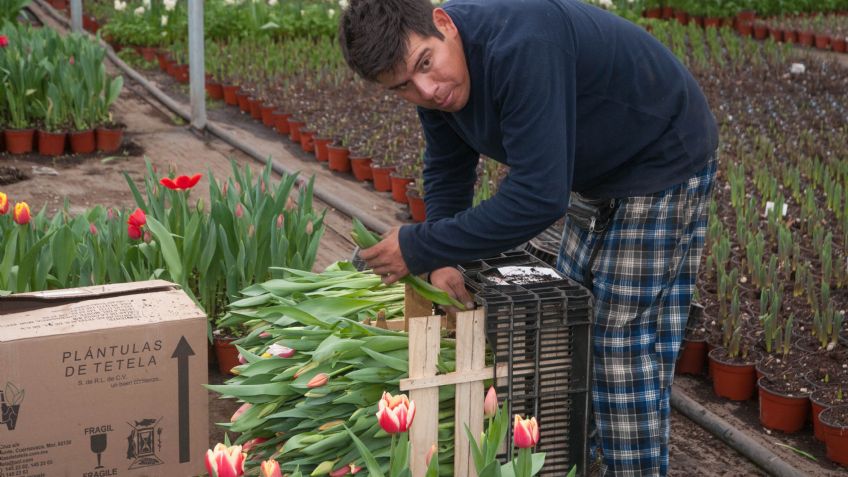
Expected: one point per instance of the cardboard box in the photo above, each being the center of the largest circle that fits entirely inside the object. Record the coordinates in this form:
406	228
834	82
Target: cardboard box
103	381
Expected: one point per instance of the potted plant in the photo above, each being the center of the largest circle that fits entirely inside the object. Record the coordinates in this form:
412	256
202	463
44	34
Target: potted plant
835	423
338	155
226	352
51	138
381	173
22	84
415	198
825	398
693	351
109	134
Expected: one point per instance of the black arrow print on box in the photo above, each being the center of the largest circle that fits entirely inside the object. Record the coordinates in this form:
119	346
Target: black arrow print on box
182	352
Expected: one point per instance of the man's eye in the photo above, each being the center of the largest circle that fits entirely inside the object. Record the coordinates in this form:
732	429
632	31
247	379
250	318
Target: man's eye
425	63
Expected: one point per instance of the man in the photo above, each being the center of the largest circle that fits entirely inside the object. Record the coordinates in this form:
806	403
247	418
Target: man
572	99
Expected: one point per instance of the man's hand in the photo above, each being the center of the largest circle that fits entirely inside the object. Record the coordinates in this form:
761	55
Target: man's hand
385	258
450	280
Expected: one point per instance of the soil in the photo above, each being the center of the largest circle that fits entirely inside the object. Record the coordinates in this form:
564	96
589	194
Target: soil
789	384
10	175
830	396
835	416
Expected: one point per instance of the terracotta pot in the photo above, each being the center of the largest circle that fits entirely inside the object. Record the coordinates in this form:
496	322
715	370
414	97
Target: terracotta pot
109	139
82	142
692	356
338	158
181	74
399	188
732	381
653	13
790	36
227	354
744	29
147	52
836	435
321	153
306	140
382	180
51	143
59	4
667	12
416	205
712	22
243	101
90	23
805	38
255	104
822	399
294	130
19	141
776	34
760	32
780	411
838	45
266	109
230	96
699	20
823	42
164	60
745	16
281	122
361	168
215	90
682	17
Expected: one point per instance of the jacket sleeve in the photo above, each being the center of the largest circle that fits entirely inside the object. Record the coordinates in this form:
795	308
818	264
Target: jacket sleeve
533	86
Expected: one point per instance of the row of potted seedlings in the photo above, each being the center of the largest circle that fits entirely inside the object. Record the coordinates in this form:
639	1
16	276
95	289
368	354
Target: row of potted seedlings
774	274
56	95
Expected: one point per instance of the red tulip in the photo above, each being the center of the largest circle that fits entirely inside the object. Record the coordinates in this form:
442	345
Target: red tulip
4	41
241	410
270	468
181	183
110	214
249	445
490	405
318	380
134	232
525	432
395	413
4	204
354	469
225	461
21	214
137	218
92	229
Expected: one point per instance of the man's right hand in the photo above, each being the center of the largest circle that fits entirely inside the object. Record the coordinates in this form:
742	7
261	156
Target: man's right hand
450	280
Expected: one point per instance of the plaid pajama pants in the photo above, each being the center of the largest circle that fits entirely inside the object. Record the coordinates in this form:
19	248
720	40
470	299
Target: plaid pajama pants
643	277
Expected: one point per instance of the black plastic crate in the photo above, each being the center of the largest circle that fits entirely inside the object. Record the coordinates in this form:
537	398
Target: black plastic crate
542	332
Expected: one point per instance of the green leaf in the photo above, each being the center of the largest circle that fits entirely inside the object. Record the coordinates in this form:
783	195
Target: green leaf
370	462
169	250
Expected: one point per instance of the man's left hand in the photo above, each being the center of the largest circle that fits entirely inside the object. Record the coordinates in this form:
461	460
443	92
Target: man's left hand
385	258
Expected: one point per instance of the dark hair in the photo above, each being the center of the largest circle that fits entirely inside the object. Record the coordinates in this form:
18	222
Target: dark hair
373	34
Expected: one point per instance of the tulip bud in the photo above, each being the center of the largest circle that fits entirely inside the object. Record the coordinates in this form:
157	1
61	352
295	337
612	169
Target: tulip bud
341	471
433	449
21	214
4	204
261	186
251	230
224	189
241	410
309	228
289	204
239	211
280	221
395	413
134	232
318	380
280	351
148	237
110	213
324	467
92	229
490	405
249	445
330	425
525	432
225	461
270	468
354	469
241	359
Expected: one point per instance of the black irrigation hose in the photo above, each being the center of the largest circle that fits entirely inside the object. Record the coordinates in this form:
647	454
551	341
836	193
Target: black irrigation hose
733	437
319	191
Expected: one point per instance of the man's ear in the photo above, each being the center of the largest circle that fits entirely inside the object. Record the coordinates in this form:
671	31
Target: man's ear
443	21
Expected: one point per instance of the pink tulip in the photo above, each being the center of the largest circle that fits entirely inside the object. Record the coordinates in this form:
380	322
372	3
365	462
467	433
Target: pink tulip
280	221
92	229
340	471
395	413
430	454
264	334
239	211
280	351
490	405
309	227
243	409
525	432
242	359
318	380
249	445
270	468
225	461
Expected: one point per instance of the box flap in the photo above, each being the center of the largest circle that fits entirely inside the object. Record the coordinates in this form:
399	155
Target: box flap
33	300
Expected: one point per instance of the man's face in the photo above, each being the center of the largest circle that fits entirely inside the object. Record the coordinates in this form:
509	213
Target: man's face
434	74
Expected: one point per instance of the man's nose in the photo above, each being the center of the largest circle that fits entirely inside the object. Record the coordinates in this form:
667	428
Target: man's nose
426	87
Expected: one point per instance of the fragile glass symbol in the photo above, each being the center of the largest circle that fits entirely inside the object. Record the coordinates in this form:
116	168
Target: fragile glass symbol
98	445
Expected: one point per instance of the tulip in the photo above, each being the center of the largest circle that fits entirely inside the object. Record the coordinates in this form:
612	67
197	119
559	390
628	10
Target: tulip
137	218
280	221
239	211
433	449
225	461
110	214
341	471
318	380
309	227
181	183
241	359
4	204
21	214
270	468
490	405
249	445
134	232
395	413
264	334
525	432
4	41
244	407
280	351
148	237
92	229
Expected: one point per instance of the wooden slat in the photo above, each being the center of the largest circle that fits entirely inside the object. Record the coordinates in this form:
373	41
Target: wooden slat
424	344
470	356
453	378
